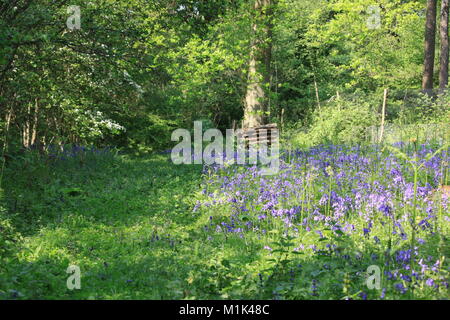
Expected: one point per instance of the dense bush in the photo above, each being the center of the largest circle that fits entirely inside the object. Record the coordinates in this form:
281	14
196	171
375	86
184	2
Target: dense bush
340	121
8	236
424	109
356	118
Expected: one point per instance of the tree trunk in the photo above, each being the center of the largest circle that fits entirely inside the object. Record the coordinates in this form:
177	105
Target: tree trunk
35	122
255	105
443	74
26	130
430	35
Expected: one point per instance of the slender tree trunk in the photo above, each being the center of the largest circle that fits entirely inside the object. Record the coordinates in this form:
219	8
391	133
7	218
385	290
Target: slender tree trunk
430	41
35	122
383	115
443	73
26	130
5	144
316	88
255	105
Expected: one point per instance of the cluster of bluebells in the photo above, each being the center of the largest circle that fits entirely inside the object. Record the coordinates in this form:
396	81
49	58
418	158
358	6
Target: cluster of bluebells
72	151
352	190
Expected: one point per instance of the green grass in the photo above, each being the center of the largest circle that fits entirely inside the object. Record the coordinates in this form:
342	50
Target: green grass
104	218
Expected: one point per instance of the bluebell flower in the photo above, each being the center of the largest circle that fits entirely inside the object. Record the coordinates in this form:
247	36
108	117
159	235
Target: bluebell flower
383	293
400	287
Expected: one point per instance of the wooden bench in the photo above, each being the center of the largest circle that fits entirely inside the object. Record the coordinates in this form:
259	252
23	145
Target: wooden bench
265	134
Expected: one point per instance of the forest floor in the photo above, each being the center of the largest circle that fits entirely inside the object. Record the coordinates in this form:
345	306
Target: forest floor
144	228
129	226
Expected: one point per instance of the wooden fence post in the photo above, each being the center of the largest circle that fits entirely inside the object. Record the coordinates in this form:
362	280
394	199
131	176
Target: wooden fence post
383	112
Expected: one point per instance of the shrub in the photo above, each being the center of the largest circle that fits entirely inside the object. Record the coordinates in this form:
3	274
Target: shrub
8	236
340	121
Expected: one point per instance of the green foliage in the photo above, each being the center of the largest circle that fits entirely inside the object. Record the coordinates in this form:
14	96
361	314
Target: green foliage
342	121
136	70
425	109
389	54
98	210
8	236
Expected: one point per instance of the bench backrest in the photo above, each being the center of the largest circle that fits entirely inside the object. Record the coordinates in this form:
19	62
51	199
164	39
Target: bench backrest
263	134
